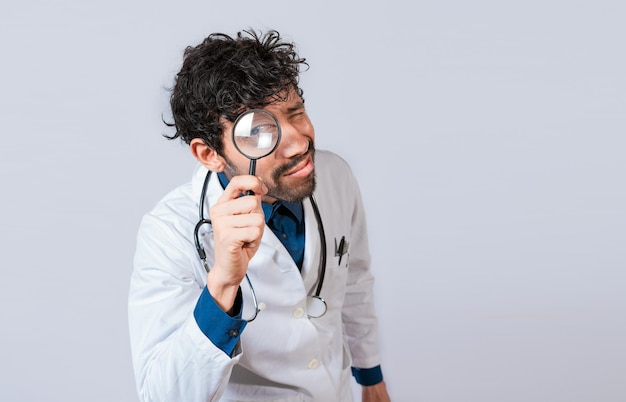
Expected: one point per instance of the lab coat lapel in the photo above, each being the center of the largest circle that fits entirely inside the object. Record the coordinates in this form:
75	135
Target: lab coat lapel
310	264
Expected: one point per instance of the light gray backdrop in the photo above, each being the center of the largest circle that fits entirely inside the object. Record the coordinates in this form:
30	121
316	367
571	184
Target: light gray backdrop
488	138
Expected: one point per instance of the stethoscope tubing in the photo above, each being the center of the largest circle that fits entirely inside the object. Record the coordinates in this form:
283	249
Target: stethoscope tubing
322	273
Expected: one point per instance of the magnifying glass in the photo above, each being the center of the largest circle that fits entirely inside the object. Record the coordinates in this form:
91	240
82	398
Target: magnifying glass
256	134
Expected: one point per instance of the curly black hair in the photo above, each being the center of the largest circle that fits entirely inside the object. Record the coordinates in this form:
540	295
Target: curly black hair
223	76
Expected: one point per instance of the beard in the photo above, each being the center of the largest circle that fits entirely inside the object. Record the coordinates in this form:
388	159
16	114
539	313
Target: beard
290	190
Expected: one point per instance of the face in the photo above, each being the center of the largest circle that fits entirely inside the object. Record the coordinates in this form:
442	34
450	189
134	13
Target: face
288	172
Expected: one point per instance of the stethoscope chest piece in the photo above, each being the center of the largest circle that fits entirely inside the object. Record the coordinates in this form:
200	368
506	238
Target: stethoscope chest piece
315	306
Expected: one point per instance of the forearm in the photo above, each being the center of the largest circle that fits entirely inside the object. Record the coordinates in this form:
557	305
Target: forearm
185	367
173	358
359	316
358	311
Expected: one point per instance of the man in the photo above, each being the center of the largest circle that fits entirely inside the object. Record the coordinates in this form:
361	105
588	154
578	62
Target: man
191	330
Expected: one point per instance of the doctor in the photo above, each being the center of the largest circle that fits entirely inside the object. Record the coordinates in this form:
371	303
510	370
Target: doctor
221	310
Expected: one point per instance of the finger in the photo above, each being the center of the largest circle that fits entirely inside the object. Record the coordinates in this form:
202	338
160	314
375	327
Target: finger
226	222
234	241
232	231
238	238
240	185
238	206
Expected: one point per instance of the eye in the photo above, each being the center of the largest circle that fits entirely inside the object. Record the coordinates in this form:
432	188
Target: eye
261	136
262	128
298	115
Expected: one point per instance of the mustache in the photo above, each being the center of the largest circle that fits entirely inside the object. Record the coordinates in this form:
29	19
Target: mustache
279	171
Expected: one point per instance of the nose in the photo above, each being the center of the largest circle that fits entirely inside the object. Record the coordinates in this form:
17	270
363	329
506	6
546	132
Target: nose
293	142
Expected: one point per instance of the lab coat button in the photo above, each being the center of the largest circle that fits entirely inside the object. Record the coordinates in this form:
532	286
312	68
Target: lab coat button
233	333
313	364
299	312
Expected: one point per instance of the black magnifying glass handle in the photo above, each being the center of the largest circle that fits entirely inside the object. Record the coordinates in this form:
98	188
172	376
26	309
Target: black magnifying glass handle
251	172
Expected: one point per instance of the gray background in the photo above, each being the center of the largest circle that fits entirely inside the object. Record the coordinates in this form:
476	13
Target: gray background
488	138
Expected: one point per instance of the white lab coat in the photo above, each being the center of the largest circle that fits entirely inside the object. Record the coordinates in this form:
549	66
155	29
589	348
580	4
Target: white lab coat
282	355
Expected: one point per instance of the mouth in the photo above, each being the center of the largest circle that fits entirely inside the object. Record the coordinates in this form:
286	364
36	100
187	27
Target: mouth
302	169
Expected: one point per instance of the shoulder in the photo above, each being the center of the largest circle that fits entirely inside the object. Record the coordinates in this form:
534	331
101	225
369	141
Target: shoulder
182	201
175	214
333	171
178	202
330	166
165	238
329	158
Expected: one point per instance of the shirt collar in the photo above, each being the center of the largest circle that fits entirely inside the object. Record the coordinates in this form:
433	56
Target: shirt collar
268	209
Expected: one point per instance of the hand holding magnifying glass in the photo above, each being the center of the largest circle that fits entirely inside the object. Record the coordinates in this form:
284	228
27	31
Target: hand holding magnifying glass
256	134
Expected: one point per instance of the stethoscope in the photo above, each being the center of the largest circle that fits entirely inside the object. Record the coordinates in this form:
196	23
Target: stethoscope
316	305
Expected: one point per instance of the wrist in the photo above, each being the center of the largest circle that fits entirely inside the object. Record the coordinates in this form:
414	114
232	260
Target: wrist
223	293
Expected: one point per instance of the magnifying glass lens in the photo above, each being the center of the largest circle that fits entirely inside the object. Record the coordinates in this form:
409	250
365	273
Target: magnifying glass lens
256	133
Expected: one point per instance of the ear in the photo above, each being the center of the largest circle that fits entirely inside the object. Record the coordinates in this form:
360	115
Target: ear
206	155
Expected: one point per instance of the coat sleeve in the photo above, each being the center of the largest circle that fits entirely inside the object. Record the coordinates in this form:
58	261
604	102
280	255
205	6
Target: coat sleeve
359	317
172	358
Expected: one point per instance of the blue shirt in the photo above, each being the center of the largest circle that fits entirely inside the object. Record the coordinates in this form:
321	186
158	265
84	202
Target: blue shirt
286	221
